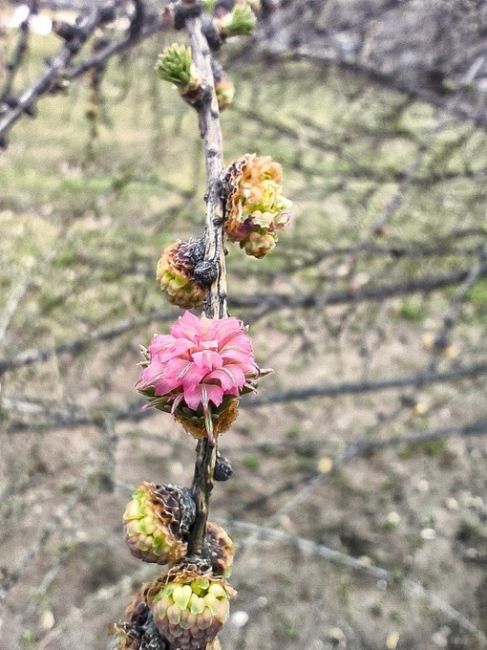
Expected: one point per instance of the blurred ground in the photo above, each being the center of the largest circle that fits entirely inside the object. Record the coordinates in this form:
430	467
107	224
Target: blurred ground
388	192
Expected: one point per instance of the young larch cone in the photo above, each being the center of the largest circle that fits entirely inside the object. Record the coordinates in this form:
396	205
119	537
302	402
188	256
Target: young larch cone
190	606
255	209
220	549
198	372
175	273
156	522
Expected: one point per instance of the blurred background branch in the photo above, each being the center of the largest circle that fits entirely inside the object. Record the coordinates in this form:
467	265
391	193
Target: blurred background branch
368	443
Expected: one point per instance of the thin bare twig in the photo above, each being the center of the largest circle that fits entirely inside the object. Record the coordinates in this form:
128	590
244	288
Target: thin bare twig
454	310
38	355
422	378
15	62
272	301
301	487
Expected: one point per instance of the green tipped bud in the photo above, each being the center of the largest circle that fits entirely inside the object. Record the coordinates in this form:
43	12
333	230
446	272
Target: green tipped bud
175	64
239	22
157	521
191	607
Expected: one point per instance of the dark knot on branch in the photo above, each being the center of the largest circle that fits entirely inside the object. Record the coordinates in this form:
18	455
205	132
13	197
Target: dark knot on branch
185	10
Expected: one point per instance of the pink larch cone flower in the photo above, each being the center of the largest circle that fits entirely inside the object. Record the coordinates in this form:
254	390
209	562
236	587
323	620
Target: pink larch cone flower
200	369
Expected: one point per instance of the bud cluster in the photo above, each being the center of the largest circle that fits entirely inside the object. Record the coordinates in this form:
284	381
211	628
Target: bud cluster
256	210
138	631
219	549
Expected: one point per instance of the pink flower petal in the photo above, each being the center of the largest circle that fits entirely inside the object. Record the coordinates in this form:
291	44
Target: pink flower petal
236	356
179	346
208	359
159	341
177	368
163	386
225	329
230	377
187	326
209	345
150	374
192	396
215	393
193	376
202	394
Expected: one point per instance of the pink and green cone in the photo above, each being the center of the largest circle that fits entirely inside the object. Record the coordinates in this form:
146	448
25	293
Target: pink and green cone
199	371
255	208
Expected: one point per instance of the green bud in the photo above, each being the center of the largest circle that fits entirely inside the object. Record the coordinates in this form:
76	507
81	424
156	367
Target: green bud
239	22
175	64
258	244
174	273
156	522
211	602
